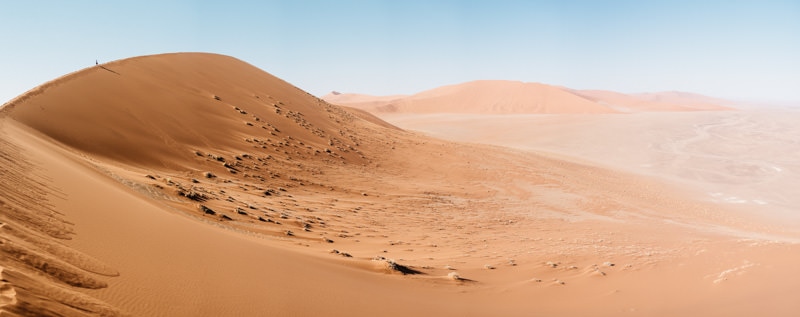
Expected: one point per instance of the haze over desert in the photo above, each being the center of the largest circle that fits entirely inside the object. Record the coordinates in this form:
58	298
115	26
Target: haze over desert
543	162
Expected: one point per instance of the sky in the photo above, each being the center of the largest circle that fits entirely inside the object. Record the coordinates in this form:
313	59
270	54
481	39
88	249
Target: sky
739	50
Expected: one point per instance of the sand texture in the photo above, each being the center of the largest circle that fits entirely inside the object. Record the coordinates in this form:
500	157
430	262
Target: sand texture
195	184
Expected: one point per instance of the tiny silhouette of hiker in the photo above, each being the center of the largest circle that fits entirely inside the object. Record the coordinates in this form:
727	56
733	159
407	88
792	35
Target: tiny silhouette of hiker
95	62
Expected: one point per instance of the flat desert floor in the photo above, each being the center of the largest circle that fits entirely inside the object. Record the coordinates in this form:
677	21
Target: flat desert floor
746	160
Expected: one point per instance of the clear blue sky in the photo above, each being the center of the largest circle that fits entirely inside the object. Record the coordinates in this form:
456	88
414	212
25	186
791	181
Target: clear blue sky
732	49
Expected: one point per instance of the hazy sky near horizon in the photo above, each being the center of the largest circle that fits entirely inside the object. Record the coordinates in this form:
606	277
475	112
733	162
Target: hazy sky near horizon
731	49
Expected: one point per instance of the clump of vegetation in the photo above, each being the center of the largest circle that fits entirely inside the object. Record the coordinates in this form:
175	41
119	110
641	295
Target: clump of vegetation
344	254
207	210
454	276
192	194
392	265
219	158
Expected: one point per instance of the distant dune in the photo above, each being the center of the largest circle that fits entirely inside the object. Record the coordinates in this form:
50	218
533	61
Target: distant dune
655	102
195	184
510	97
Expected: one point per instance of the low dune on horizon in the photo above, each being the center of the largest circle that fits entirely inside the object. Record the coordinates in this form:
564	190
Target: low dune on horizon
515	97
195	184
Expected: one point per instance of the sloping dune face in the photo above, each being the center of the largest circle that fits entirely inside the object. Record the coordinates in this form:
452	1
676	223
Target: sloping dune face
170	105
513	97
189	116
39	275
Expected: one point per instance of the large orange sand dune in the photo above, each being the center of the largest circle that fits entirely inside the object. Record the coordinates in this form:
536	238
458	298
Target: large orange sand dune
198	185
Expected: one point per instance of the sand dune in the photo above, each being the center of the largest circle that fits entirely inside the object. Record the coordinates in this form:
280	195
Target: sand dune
198	185
654	102
686	99
512	97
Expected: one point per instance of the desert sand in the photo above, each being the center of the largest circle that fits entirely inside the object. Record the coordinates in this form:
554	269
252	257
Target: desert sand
195	184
